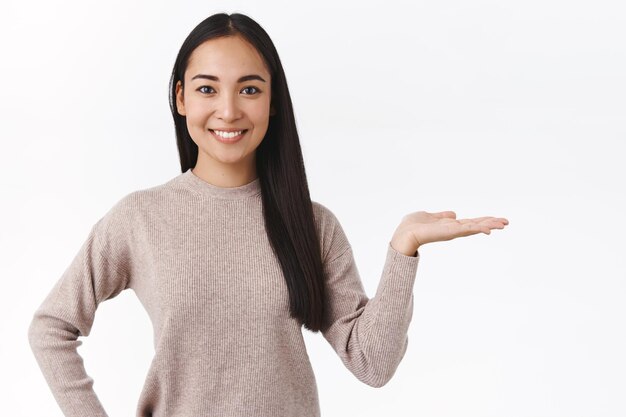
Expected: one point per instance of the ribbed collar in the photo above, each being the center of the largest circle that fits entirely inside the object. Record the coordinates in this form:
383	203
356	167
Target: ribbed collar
204	188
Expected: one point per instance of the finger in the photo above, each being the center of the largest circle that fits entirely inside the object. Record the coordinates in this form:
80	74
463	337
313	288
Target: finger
480	219
475	220
492	223
498	223
494	219
444	214
473	228
486	220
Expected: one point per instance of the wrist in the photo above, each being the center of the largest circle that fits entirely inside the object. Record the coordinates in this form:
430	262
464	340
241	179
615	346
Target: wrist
404	247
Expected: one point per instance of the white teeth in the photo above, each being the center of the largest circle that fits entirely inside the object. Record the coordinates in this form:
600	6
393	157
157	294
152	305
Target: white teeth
227	134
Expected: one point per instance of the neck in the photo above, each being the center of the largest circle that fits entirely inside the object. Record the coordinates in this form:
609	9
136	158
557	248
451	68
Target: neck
225	175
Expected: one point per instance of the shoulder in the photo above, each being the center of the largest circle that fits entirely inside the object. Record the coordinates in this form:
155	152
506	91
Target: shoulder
321	212
131	209
325	218
135	204
333	239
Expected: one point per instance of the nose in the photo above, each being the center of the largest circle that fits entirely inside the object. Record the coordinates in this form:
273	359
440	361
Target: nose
228	108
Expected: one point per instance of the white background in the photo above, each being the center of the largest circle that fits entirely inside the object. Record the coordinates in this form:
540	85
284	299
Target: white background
488	108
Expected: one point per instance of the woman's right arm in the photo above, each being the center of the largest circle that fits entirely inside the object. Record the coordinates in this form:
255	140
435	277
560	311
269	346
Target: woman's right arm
98	272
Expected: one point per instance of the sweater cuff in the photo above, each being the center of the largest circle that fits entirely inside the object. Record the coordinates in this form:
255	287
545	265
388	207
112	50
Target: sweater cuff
399	275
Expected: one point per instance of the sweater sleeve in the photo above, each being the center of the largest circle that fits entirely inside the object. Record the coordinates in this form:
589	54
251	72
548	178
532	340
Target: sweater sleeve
369	335
99	271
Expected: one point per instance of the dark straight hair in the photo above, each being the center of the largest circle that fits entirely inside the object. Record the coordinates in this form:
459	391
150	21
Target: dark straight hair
287	207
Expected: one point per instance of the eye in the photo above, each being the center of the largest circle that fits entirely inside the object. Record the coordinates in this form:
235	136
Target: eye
204	86
251	86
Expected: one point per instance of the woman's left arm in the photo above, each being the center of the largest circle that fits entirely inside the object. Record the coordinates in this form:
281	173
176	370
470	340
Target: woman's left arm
370	335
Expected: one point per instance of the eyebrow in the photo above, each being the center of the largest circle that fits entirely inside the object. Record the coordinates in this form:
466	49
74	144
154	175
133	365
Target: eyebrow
240	80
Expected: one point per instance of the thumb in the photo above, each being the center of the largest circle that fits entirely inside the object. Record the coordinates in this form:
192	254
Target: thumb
445	214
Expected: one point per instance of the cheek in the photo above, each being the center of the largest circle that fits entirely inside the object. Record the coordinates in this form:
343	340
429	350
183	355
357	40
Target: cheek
260	114
195	114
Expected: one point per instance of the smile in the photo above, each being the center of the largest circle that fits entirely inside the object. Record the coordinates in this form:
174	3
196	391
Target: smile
228	137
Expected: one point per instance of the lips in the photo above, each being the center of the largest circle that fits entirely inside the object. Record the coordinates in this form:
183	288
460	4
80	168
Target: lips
228	140
228	130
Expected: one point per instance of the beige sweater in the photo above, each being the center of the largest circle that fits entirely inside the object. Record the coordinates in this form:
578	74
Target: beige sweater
199	260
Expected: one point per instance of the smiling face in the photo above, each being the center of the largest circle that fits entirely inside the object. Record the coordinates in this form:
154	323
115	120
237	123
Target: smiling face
227	86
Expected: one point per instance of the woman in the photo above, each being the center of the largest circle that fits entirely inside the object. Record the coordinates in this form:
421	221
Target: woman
231	258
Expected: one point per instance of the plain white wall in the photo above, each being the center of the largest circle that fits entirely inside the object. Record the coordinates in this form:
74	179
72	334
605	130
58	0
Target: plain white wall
508	109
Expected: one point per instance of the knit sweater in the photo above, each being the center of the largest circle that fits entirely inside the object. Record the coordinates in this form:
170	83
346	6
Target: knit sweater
199	260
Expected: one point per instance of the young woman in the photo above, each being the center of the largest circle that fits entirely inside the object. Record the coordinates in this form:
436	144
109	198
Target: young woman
231	258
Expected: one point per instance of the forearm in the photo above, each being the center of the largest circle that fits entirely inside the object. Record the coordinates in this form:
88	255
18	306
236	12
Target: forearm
54	345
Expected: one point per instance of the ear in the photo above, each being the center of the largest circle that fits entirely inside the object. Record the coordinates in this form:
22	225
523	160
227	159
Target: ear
180	103
272	110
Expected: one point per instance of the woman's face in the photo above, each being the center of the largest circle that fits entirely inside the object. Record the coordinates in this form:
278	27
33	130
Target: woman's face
226	87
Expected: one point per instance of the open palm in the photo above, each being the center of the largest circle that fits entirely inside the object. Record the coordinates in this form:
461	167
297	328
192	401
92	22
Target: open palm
422	227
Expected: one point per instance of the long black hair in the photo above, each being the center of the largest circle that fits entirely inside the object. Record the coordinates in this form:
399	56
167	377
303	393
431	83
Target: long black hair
287	207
